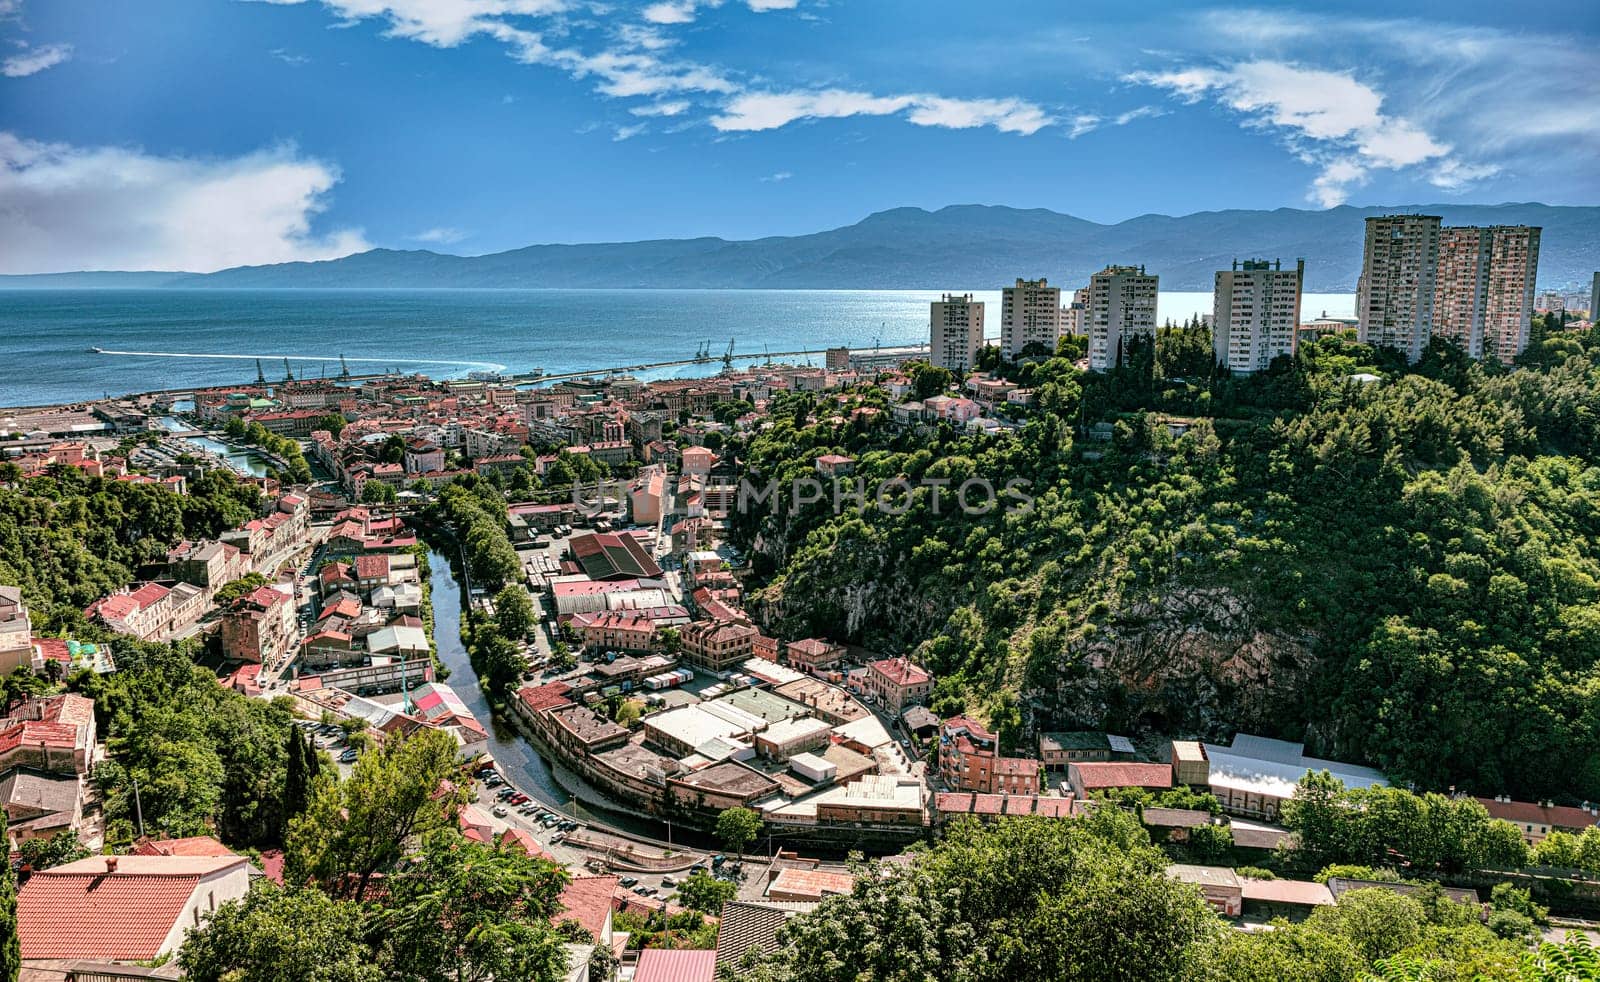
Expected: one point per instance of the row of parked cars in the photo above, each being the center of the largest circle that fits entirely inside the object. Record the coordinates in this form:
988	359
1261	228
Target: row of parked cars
509	798
328	736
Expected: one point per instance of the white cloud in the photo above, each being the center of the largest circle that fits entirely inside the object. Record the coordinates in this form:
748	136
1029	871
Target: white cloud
1327	117
669	13
443	235
749	111
669	108
1508	103
33	60
621	133
630	64
289	57
1005	115
782	175
70	208
1143	112
1083	123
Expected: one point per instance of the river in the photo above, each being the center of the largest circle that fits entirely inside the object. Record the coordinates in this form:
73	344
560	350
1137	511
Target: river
521	764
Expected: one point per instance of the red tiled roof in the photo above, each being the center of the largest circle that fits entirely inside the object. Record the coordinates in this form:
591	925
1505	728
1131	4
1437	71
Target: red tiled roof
196	845
548	696
587	900
149	593
676	965
371	567
81	911
811	882
1528	813
988	804
901	671
1302	892
1121	774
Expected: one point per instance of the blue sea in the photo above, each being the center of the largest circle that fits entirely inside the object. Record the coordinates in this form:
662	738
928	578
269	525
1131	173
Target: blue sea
182	338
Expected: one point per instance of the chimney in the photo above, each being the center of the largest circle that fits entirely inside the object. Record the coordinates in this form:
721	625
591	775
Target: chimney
111	864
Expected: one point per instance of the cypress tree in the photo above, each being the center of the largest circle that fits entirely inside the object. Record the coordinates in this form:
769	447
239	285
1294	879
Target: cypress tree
10	947
313	766
296	781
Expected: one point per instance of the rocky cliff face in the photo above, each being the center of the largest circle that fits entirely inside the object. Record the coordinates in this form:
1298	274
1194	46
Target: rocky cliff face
1189	659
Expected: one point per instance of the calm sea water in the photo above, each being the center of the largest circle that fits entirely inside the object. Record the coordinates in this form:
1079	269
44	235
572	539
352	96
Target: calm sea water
181	338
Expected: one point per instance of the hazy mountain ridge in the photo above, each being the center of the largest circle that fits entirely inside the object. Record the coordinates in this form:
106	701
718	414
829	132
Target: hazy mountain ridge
959	247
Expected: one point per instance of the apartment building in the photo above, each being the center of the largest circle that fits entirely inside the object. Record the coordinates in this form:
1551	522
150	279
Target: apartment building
1122	305
1075	315
1508	307
258	626
1255	314
1395	294
955	332
898	682
1483	288
1030	313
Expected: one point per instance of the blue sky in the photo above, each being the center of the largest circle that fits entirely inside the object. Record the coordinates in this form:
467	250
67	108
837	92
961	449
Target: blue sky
198	134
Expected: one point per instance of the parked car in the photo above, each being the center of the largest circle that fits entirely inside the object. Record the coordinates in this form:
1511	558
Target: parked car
669	881
629	882
499	811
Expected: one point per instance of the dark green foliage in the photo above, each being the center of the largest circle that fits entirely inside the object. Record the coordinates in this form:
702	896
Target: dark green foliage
1404	573
68	539
206	758
10	949
56	850
1023	899
1379	825
705	893
273	935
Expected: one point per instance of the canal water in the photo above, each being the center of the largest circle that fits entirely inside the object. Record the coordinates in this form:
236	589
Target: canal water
243	460
515	756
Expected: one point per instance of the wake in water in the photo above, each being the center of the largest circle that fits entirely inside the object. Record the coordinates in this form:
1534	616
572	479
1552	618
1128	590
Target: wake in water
486	365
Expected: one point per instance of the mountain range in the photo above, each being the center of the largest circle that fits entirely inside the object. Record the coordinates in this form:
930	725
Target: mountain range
960	247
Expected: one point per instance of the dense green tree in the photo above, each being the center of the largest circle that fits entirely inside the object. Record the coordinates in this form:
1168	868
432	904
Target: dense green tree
228	592
206	759
276	935
737	828
513	611
334	423
1024	898
378	493
46	852
362	826
928	380
706	893
10	949
1412	559
462	911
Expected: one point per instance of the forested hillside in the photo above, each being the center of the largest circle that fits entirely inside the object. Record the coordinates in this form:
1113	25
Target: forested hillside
1403	571
68	538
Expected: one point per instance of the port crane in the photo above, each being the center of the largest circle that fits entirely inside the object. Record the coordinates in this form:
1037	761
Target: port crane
727	357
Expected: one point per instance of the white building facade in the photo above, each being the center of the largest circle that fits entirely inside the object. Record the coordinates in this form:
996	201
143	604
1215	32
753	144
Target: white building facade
1030	313
955	332
1256	314
1395	295
1121	305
